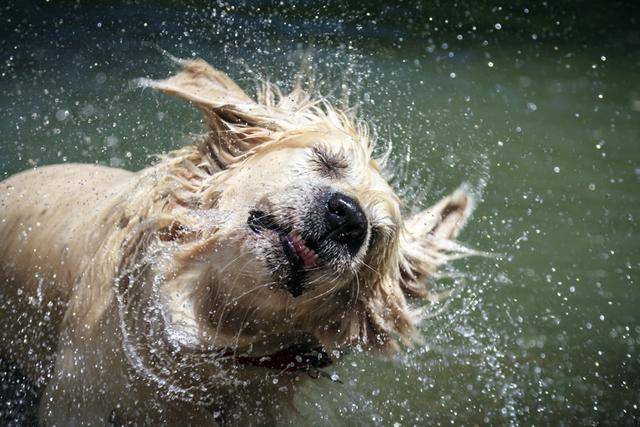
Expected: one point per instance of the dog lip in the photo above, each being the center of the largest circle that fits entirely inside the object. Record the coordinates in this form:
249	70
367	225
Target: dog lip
300	256
259	220
298	250
300	253
289	249
307	256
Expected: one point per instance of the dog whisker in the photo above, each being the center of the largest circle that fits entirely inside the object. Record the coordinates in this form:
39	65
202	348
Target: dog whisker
329	291
357	293
258	287
226	304
371	268
233	261
250	307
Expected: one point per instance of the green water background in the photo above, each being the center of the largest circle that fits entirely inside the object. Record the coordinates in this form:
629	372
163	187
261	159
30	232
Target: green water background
535	106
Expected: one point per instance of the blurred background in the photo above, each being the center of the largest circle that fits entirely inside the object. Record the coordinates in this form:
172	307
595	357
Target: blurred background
535	105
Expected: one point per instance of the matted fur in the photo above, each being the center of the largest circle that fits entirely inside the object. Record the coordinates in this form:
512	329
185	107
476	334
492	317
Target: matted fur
166	292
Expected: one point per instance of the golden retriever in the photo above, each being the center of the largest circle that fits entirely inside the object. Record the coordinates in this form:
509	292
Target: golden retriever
206	287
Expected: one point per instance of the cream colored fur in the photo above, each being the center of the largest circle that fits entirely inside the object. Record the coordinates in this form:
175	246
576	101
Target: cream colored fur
120	289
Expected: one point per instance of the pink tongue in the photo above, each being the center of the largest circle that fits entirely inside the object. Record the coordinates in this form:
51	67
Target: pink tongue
305	254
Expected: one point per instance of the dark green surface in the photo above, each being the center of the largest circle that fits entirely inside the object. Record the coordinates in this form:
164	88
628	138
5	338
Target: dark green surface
548	332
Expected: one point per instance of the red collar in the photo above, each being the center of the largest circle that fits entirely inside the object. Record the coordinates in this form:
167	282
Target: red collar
291	359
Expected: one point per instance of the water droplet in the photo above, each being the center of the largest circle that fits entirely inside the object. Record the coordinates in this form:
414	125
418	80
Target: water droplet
61	115
112	140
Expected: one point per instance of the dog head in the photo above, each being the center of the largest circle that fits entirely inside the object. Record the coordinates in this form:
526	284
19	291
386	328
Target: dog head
282	229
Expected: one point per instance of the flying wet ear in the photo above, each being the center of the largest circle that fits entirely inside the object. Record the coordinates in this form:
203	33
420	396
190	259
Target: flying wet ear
203	85
236	122
428	241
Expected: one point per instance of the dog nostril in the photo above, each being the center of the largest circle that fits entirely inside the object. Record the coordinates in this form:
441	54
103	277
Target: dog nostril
346	221
336	205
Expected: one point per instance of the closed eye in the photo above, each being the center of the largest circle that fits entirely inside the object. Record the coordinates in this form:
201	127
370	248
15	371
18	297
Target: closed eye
329	163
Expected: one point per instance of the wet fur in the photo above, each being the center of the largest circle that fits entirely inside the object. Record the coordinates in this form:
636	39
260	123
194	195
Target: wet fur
124	287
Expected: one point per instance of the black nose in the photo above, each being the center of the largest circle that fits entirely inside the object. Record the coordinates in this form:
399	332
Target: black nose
346	222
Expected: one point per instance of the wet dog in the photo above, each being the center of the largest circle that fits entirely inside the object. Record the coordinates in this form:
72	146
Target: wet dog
207	286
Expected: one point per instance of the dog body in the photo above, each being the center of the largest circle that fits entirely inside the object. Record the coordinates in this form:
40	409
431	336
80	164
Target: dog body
207	286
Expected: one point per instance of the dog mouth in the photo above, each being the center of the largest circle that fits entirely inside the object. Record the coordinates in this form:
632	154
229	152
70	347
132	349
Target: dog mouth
301	254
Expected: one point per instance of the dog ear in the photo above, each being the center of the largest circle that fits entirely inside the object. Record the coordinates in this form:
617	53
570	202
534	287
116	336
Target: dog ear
236	122
203	85
427	241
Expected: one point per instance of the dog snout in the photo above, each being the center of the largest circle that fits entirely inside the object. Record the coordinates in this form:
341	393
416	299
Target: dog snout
346	221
